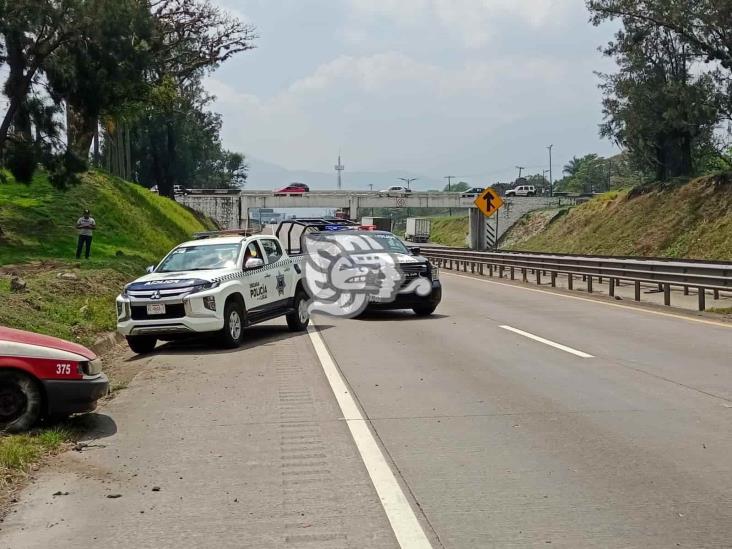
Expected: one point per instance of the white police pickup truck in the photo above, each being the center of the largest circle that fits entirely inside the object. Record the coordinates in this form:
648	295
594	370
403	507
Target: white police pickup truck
217	285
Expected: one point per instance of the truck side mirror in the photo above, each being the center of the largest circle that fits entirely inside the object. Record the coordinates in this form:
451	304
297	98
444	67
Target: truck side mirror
150	269
415	250
253	263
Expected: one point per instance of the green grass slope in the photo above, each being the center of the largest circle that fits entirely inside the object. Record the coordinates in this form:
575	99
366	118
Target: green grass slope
687	221
449	231
38	244
37	221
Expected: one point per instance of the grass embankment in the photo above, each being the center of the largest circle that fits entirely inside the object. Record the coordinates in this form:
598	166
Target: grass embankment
449	231
69	298
691	221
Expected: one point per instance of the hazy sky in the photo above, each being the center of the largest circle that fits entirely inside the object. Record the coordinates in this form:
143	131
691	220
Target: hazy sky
437	87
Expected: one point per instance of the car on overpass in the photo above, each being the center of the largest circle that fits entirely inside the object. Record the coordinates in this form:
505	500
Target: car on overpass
43	376
293	189
473	192
395	190
522	190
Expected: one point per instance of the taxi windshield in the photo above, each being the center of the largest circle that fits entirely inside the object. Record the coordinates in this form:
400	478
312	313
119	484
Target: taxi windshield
200	258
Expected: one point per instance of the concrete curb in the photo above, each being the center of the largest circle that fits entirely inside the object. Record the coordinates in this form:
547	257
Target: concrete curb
106	343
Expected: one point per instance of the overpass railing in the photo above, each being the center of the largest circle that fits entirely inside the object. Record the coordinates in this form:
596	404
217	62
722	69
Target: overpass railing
700	275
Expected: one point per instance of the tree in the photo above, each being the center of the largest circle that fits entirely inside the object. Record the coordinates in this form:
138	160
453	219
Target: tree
571	167
702	24
30	32
655	107
103	67
457	187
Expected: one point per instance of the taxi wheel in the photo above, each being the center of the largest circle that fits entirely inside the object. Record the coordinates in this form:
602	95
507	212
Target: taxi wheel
21	402
299	319
142	345
233	333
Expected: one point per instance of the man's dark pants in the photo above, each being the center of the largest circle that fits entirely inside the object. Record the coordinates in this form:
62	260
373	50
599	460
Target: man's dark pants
84	240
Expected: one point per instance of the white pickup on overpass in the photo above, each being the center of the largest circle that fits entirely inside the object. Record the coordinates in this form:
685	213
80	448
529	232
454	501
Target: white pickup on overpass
232	210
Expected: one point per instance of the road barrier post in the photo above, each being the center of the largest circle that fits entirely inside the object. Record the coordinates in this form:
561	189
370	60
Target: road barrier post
525	275
716	294
570	281
637	290
667	294
554	279
513	274
538	277
702	300
611	288
589	284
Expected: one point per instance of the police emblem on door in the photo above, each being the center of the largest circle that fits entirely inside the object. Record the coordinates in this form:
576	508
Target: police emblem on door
281	284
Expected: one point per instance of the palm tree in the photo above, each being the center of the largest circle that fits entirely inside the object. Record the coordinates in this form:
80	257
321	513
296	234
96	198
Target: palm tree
573	166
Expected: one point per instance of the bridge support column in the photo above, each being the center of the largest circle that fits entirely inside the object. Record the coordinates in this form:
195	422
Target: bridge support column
476	222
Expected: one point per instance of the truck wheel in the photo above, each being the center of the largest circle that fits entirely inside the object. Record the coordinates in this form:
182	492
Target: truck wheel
233	332
299	319
21	402
424	310
142	345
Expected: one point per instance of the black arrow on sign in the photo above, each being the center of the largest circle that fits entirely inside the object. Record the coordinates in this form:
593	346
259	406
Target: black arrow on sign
488	201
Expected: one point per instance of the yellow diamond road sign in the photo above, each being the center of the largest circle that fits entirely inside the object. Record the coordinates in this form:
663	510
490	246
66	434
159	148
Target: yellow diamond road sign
489	202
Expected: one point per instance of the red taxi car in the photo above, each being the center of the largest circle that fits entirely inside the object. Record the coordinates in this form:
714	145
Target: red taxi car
42	376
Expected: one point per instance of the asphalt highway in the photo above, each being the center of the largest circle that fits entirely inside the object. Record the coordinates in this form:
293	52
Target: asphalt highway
511	418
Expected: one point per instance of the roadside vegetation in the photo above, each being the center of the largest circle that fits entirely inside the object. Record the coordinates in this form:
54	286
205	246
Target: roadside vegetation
449	231
19	453
692	220
69	298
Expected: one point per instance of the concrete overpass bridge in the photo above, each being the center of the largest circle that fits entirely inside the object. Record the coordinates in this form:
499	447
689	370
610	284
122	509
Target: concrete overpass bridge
231	210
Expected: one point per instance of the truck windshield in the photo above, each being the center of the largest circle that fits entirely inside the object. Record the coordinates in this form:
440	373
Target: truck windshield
390	242
200	258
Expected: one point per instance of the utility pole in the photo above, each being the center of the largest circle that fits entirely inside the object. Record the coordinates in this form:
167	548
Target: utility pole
544	175
449	189
520	169
408	180
551	181
339	169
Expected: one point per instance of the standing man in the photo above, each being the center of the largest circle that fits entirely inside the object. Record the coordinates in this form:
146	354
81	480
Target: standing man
86	226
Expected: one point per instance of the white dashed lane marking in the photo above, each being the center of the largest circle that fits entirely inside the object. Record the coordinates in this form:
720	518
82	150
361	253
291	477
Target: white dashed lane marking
548	342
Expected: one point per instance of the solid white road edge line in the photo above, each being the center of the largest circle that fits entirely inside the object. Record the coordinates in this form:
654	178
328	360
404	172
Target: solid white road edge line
404	523
547	342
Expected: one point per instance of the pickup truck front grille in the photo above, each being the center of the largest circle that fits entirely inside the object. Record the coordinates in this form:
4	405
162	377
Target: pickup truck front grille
172	310
411	272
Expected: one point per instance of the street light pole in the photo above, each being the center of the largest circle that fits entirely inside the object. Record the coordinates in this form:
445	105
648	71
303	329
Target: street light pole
408	180
449	189
551	180
520	169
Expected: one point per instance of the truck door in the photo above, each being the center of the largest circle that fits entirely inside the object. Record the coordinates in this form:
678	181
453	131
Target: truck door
278	275
255	290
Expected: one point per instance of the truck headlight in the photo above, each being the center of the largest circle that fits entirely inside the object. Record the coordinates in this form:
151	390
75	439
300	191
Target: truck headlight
123	311
209	302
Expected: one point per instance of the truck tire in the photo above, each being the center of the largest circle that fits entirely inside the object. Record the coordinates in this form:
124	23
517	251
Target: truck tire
299	319
142	345
424	310
21	402
233	333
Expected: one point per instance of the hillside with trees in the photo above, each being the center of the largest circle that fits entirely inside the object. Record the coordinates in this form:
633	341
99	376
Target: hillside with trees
117	84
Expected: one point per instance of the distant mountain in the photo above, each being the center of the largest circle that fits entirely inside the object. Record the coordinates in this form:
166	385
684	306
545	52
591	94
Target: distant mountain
265	175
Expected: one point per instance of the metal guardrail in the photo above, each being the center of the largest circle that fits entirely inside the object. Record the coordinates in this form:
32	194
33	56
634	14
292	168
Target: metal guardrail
702	276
